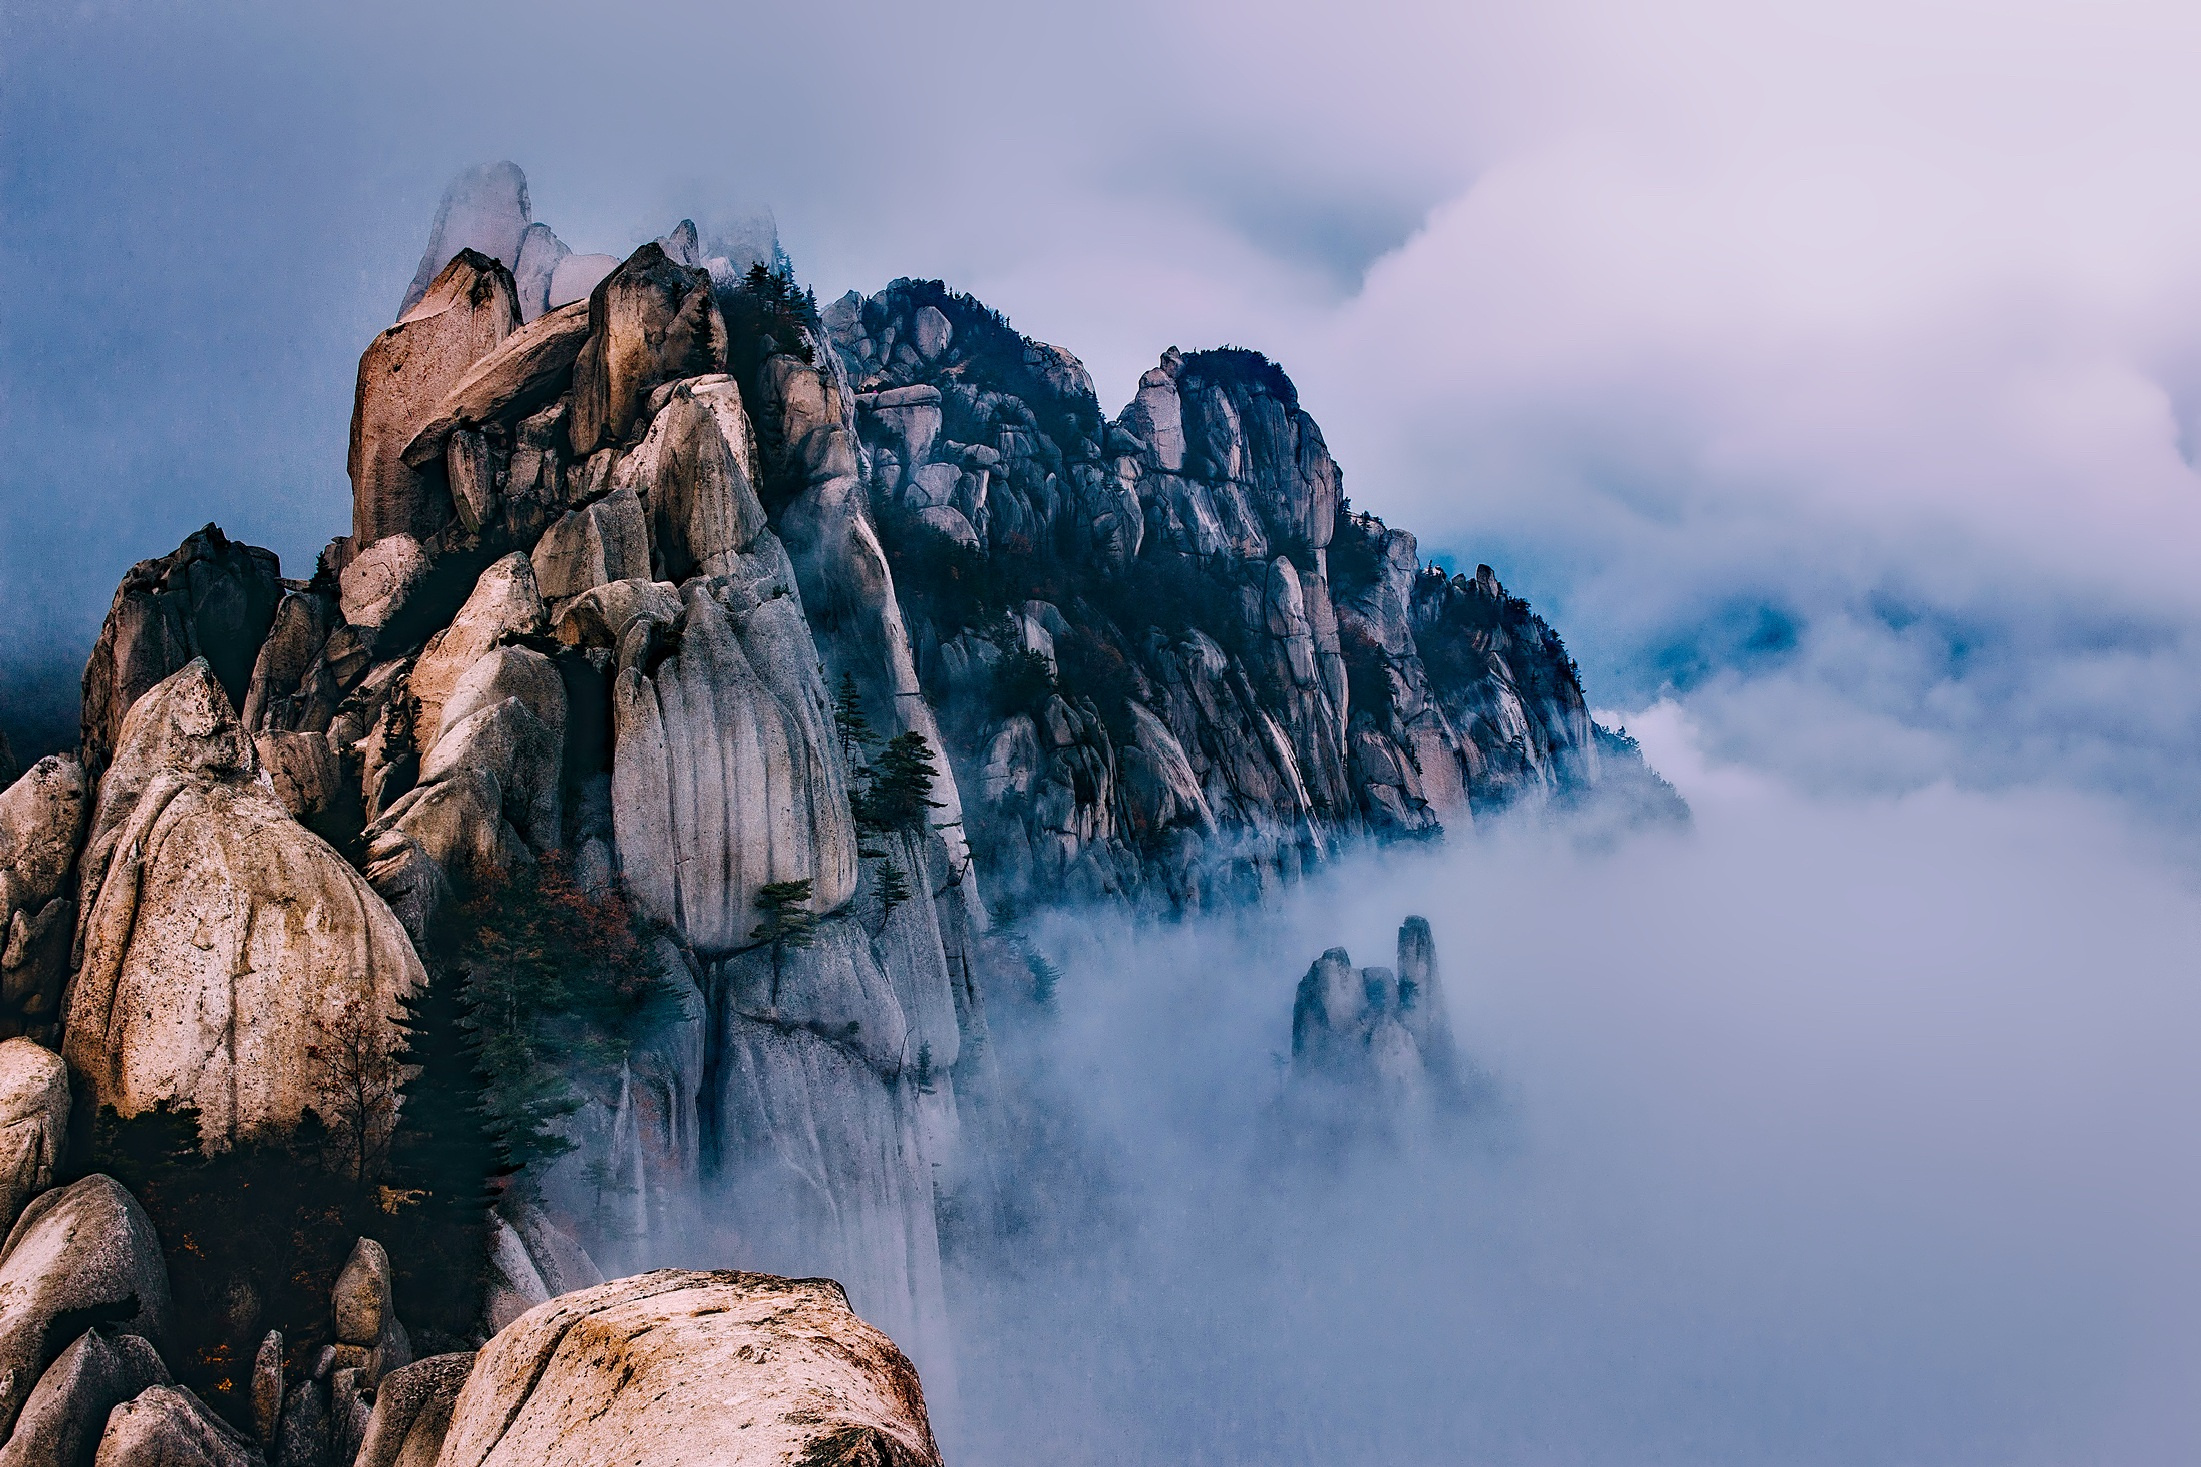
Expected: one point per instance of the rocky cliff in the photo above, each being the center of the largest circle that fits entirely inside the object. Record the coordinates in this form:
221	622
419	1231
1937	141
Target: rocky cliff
766	657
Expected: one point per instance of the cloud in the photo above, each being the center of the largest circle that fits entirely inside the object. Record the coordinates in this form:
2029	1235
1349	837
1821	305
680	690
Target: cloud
1830	1131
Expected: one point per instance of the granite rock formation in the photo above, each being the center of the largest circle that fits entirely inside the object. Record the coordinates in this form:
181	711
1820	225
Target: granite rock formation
817	641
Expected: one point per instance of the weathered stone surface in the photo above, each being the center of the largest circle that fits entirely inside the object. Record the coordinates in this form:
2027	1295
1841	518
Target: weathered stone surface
360	1301
381	579
412	1412
222	941
61	1423
267	1388
726	773
515	1285
403	376
604	541
282	694
677	1368
485	208
504	606
949	521
79	1256
210	597
43	816
34	1122
169	1426
696	471
650	321
521	374
600	616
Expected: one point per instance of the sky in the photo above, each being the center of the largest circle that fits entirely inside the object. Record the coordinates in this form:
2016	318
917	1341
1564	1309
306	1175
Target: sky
1830	375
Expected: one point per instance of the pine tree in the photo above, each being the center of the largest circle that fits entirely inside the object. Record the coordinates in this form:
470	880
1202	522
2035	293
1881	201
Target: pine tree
900	796
853	727
1045	976
924	1068
788	921
446	1156
893	888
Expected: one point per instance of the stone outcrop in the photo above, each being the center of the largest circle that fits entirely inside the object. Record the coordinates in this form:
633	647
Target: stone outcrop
465	313
1386	1029
61	1424
223	943
650	321
42	821
169	1426
726	773
79	1256
518	376
34	1123
210	597
412	1412
675	1367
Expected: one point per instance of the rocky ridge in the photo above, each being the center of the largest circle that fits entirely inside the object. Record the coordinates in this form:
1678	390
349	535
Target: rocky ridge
824	640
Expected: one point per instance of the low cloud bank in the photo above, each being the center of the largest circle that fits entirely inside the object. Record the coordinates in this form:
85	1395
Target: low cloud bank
1828	1131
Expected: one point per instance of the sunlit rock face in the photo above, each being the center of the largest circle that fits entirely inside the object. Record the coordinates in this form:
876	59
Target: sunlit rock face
679	1367
223	944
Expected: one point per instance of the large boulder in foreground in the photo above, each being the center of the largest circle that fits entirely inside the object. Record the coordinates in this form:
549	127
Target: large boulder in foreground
403	376
674	1367
210	597
79	1256
226	948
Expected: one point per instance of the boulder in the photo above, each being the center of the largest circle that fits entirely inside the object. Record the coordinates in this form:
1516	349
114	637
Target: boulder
677	1367
515	1285
504	606
267	1388
42	823
222	942
403	376
930	332
60	1425
949	521
696	470
211	597
600	616
284	693
484	209
650	321
603	541
360	1301
34	1122
382	579
524	372
79	1256
726	772
169	1426
412	1411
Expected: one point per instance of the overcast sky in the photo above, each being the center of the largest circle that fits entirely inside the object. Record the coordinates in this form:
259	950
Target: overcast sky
1831	366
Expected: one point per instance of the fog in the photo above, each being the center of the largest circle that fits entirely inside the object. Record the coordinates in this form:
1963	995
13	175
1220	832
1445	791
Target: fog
1823	1132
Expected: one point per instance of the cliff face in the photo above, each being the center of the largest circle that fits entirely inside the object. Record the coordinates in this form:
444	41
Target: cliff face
821	638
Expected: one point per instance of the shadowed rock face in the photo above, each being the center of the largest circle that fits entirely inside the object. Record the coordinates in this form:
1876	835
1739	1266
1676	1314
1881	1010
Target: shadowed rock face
1385	1030
169	1426
34	1122
42	820
674	1367
210	598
